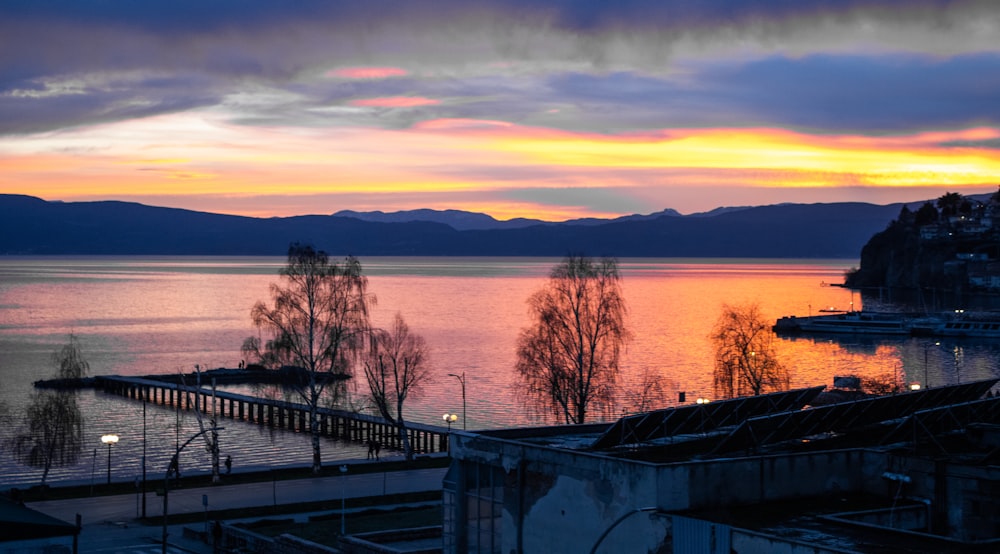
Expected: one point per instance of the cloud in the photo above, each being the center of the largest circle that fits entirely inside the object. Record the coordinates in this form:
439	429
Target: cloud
367	72
886	93
501	59
394	102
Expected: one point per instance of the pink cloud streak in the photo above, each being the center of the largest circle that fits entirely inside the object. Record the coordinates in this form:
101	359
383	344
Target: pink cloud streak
367	72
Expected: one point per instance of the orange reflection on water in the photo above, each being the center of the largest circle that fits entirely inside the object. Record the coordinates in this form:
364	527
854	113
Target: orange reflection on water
163	315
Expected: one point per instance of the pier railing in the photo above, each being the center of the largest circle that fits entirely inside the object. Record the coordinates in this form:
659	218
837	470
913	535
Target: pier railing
336	424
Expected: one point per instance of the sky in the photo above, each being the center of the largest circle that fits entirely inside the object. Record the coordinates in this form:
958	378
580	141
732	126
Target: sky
552	109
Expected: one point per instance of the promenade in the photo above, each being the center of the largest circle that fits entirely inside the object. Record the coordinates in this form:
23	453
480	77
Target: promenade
112	524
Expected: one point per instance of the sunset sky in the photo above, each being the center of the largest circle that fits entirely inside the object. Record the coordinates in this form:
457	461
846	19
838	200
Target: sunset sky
550	109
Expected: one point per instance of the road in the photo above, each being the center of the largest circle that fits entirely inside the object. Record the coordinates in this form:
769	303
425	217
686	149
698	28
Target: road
110	523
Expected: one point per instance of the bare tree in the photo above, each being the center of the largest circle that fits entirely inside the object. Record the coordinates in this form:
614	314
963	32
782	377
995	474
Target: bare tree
649	393
745	361
318	321
892	381
51	432
396	367
568	358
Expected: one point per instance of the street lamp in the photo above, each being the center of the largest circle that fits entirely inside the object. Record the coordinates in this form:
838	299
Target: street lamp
174	466
145	392
701	401
109	440
461	379
927	347
449	419
343	499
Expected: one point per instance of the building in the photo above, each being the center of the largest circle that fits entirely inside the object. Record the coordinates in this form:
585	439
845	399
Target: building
23	530
911	472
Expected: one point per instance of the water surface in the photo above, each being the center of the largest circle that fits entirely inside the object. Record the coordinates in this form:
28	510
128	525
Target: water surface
137	316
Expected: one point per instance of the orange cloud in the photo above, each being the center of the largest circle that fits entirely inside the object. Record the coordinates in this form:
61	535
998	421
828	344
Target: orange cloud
367	72
479	165
891	161
394	102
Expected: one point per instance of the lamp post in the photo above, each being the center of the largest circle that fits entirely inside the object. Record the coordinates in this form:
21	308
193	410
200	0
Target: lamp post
109	440
144	393
701	401
343	499
461	379
927	347
449	419
173	466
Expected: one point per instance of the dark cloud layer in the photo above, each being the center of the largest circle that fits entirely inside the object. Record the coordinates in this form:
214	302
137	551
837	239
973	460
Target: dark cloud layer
579	15
578	65
845	93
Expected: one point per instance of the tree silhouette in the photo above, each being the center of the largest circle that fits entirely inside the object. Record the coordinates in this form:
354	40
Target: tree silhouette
745	361
317	321
927	214
949	203
51	431
395	368
567	360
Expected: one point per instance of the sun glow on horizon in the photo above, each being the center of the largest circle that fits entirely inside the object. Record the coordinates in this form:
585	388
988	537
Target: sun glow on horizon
894	161
499	168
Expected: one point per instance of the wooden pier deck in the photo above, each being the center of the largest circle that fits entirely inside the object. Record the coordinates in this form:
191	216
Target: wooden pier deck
335	424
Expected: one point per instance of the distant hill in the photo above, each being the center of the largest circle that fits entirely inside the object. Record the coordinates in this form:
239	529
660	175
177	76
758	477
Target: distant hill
32	226
465	221
457	219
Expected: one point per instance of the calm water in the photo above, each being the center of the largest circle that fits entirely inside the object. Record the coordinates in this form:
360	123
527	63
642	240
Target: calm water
137	316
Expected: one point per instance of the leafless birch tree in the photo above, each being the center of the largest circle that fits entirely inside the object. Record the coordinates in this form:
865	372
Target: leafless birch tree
51	431
567	360
745	361
317	321
395	368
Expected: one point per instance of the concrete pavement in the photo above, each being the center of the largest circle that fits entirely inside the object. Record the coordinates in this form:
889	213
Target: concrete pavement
110	523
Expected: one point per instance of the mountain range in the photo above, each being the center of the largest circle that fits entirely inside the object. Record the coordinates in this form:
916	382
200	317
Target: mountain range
33	226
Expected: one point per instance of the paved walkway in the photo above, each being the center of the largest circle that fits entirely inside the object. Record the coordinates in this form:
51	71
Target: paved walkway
110	523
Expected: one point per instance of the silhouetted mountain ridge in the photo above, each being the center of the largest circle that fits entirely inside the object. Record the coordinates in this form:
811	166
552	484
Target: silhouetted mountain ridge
31	226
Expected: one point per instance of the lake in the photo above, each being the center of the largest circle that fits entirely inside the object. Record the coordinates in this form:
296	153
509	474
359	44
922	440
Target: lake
137	316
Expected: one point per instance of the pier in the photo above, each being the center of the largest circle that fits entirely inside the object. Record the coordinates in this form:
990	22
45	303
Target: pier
334	424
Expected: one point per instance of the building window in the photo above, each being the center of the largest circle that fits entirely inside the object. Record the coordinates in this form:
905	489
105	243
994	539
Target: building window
484	506
450	506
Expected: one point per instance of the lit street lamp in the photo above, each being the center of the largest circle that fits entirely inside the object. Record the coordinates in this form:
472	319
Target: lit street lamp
461	379
449	419
109	440
701	401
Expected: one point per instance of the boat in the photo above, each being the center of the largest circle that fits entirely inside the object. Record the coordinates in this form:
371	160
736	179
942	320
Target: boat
961	324
852	322
958	324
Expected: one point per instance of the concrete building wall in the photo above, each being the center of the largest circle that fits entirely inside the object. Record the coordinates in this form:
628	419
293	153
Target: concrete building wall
556	499
741	481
